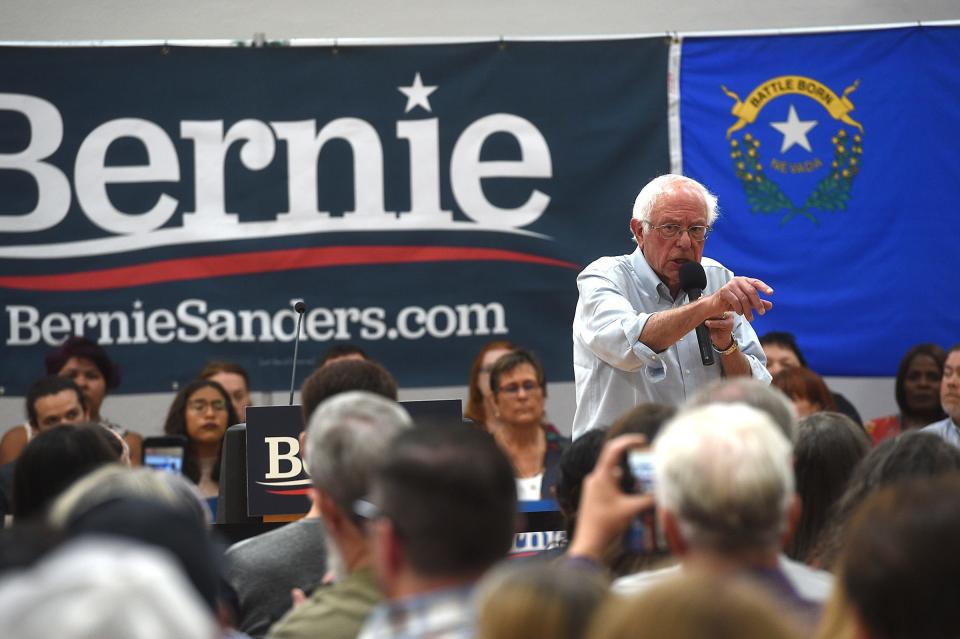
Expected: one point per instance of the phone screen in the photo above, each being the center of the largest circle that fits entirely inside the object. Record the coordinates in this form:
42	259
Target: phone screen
640	464
643	535
168	458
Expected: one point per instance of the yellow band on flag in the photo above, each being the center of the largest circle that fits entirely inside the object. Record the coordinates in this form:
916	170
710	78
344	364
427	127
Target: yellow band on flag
746	111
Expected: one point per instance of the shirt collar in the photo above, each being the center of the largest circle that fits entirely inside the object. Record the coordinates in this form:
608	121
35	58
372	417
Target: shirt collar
648	279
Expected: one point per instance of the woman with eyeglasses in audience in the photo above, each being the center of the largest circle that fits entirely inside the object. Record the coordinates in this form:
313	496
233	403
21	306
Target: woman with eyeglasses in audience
533	446
201	412
480	406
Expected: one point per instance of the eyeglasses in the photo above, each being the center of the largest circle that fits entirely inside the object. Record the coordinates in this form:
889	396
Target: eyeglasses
697	233
201	405
366	512
513	389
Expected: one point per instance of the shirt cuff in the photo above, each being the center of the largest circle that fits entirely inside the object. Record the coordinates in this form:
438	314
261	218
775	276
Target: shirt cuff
758	370
654	365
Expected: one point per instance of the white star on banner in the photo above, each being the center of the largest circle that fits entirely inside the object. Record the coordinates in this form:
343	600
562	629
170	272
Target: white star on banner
794	130
417	94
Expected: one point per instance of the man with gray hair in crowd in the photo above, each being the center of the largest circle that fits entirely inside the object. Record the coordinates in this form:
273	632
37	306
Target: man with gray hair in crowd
264	569
347	438
726	502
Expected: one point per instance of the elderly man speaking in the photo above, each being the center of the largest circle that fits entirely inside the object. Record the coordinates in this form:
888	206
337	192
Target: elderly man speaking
634	337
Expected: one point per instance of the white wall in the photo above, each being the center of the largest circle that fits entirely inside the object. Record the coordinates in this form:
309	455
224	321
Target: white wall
240	19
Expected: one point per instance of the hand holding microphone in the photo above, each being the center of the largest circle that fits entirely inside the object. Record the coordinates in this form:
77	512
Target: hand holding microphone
693	280
740	295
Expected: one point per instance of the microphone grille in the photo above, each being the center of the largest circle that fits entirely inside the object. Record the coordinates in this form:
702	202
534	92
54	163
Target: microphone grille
692	275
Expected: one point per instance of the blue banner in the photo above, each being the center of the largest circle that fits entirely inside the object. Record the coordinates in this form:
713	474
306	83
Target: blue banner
170	202
833	158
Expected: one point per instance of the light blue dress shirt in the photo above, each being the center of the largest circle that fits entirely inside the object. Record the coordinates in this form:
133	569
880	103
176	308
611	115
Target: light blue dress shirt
614	372
946	428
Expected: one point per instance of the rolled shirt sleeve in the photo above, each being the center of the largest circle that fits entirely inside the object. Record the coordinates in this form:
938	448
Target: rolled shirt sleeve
609	326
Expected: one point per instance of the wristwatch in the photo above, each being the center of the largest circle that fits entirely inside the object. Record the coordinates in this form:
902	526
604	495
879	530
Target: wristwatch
733	348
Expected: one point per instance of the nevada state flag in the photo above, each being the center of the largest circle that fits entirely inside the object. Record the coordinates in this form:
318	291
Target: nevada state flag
833	156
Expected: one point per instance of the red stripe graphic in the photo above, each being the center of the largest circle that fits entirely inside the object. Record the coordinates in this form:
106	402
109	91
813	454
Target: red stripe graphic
263	262
295	491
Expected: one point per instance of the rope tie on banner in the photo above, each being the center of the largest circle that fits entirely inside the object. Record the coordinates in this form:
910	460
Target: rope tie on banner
502	43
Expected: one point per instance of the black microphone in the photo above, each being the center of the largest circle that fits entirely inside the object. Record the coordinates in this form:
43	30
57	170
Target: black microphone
299	307
693	280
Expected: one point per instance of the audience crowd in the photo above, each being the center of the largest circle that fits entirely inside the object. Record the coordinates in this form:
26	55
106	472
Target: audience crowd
749	509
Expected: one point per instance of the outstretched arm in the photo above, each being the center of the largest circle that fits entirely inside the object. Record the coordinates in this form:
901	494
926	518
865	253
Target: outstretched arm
740	295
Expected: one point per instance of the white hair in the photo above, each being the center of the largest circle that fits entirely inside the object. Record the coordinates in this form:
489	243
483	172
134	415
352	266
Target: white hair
103	588
660	186
725	472
347	438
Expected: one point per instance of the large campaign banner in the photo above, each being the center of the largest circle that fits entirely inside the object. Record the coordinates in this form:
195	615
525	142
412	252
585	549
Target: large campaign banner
834	159
170	202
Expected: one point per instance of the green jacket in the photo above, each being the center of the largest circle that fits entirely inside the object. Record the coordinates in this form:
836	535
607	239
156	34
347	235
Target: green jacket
335	612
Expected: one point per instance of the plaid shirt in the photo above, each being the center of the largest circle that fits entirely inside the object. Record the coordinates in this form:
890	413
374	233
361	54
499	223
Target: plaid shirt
443	614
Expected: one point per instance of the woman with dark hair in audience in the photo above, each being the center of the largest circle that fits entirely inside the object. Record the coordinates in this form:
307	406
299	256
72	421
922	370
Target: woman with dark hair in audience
234	379
533	446
917	393
576	462
480	407
201	412
908	455
87	364
782	351
52	461
828	448
806	389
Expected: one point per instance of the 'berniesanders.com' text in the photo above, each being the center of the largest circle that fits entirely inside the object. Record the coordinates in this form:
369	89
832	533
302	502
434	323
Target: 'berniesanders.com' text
193	321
